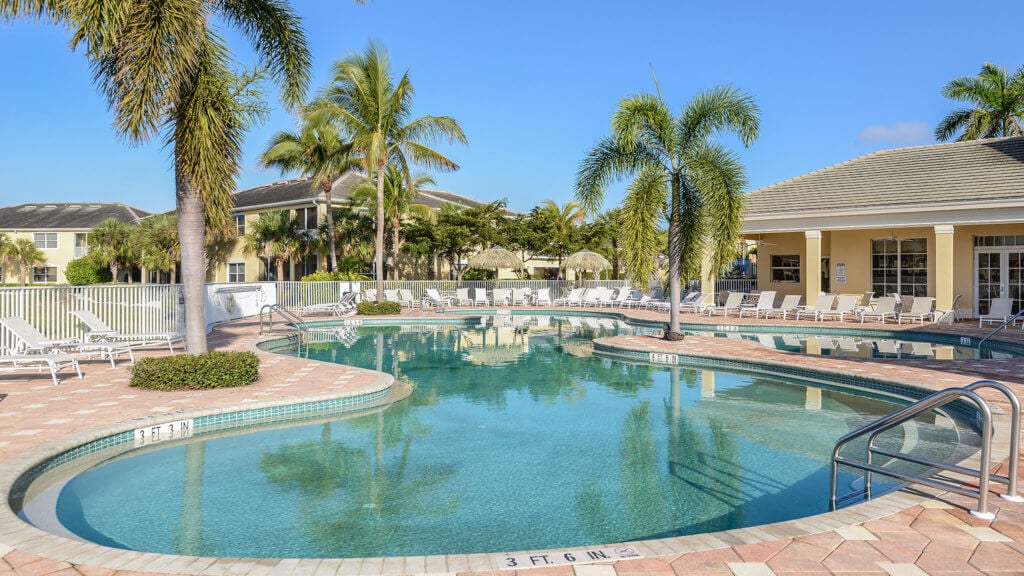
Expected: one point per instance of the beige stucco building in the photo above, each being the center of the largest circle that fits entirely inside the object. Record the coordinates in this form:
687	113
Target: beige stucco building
945	220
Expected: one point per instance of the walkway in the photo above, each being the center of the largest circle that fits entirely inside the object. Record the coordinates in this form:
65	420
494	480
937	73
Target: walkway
917	535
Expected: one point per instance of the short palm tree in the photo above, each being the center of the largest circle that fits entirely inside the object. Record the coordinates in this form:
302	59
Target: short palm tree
24	254
109	244
563	219
319	151
398	204
374	110
164	67
274	237
680	176
997	102
157	240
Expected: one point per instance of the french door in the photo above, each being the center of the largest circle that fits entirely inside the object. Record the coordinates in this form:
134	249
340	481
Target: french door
998	272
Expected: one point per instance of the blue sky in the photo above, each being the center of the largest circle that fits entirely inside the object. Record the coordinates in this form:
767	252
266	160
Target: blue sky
534	84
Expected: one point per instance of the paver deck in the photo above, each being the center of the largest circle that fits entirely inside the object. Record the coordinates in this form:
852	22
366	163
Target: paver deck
905	534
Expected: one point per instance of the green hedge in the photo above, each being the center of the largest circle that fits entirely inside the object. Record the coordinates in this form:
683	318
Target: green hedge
84	272
324	276
215	369
375	309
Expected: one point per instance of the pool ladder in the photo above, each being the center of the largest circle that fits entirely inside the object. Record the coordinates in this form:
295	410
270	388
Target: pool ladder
926	404
293	319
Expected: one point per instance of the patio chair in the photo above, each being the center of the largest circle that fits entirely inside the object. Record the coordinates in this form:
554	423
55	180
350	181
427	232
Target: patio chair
731	303
370	295
790	303
640	302
825	302
697	304
765	302
462	297
543	297
98	330
999	310
52	362
574	298
405	298
392	296
596	297
920	309
620	298
502	296
948	316
846	305
519	296
885	307
480	297
432	297
33	341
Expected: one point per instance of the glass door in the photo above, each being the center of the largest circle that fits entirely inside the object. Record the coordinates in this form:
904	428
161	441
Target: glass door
998	273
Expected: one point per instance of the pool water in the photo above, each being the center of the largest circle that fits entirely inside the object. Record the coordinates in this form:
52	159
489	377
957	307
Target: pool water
845	346
515	438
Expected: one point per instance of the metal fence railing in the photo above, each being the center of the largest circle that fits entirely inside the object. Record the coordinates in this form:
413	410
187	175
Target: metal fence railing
127	308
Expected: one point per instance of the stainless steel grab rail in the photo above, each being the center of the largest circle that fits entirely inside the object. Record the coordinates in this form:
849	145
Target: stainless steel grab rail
926	404
297	322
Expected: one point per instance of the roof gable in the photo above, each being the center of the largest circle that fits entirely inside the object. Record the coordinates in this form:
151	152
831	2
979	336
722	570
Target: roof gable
973	171
66	216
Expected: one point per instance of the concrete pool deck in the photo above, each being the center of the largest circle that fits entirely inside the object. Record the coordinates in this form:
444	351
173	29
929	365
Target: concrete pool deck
901	534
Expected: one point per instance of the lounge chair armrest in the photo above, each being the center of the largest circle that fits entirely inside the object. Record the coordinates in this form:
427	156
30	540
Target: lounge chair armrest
60	341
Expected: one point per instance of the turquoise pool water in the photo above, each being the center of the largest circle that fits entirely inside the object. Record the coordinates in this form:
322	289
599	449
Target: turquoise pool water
515	438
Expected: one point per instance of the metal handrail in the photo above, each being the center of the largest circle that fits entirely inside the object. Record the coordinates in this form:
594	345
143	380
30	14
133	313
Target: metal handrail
1001	326
297	322
926	404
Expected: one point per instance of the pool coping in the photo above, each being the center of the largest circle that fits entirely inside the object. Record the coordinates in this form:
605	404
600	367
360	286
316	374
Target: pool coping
19	535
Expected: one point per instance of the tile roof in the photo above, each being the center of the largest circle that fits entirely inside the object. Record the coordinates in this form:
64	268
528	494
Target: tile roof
299	190
65	216
961	172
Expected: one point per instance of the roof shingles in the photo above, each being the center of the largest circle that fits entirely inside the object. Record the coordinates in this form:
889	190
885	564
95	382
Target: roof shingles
65	216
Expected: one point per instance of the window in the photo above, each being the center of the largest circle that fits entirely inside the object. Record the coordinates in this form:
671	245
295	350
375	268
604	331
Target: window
236	272
786	268
307	217
44	274
899	266
45	240
240	224
307	266
81	244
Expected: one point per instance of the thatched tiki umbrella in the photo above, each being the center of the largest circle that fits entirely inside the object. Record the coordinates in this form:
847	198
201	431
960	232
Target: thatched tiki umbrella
587	260
495	258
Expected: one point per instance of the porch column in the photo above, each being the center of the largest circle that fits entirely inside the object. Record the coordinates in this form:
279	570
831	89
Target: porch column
812	269
943	267
708	276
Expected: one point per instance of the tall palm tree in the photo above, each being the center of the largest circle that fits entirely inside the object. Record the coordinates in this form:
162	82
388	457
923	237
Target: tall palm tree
563	220
24	254
163	66
398	204
374	110
274	237
998	105
319	151
680	175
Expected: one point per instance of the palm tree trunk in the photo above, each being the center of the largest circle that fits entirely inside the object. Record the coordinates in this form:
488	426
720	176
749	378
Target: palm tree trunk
378	257
395	225
675	258
333	263
191	234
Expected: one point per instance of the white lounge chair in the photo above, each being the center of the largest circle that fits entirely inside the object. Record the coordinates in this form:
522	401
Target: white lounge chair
405	298
52	362
621	297
33	341
999	310
519	296
885	307
462	297
597	297
543	297
392	296
920	309
765	302
825	302
431	297
502	297
480	297
696	304
790	303
732	303
846	305
370	295
98	330
574	298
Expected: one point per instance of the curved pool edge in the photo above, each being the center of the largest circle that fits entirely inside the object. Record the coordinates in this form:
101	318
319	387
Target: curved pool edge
25	538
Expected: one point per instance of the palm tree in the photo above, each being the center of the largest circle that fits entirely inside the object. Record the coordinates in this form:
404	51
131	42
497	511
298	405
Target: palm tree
109	244
157	240
680	175
163	66
274	237
998	105
398	204
24	254
318	151
563	221
374	109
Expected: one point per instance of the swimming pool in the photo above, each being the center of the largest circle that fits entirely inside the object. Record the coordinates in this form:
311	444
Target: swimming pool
515	438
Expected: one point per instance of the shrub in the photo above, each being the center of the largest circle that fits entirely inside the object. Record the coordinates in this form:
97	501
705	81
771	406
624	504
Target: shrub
337	276
478	274
376	309
83	272
214	369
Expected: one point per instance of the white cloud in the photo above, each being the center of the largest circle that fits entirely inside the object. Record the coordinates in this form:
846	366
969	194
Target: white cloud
898	133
